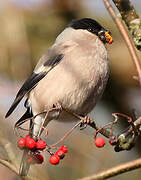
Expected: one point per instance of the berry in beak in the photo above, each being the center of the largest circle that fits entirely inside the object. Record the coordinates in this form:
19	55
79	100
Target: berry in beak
109	38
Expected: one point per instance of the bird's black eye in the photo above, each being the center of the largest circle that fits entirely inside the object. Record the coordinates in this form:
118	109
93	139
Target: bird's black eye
90	29
101	33
101	36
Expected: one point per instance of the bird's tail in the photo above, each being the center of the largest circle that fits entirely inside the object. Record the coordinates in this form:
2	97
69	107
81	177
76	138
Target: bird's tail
24	166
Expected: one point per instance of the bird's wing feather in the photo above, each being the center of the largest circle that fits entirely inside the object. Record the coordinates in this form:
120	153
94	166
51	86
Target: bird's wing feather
33	80
24	118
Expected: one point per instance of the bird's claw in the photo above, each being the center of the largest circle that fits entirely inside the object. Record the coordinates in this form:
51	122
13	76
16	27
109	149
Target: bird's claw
55	110
57	106
85	121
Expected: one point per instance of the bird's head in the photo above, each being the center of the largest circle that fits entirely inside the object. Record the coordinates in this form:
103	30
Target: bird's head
93	27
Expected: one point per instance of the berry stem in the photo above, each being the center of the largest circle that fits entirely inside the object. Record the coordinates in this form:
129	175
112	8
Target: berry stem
66	135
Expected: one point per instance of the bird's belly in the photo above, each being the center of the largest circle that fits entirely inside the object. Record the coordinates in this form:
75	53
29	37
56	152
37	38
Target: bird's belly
77	85
78	95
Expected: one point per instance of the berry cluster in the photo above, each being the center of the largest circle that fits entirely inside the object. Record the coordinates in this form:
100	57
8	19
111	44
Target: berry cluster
35	156
60	154
29	143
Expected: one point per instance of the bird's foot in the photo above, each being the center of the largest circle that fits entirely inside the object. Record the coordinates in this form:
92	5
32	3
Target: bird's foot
85	121
55	111
57	106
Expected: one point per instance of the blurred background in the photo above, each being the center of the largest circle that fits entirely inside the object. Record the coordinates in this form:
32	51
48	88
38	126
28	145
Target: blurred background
28	28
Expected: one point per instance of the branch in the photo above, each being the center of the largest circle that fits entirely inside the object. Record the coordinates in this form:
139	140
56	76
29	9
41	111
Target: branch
126	37
103	131
131	19
12	167
129	166
8	148
9	166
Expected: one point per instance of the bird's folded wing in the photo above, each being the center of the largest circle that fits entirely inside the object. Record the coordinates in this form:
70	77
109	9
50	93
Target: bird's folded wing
33	80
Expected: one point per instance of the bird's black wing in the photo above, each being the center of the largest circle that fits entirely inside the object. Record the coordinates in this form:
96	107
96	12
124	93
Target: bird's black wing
33	80
26	116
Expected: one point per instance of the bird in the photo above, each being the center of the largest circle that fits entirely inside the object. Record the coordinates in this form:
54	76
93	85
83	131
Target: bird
73	73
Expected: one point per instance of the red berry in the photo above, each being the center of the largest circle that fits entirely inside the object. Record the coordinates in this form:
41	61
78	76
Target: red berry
113	140
39	158
35	158
27	137
54	159
60	153
21	143
40	145
30	143
63	148
99	142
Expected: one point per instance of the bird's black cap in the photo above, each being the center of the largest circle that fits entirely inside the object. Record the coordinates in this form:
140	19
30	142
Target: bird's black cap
87	24
92	26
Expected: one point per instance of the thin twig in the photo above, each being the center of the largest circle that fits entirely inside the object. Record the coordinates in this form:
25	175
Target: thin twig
11	155
126	37
8	148
66	135
14	169
129	166
9	166
103	131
